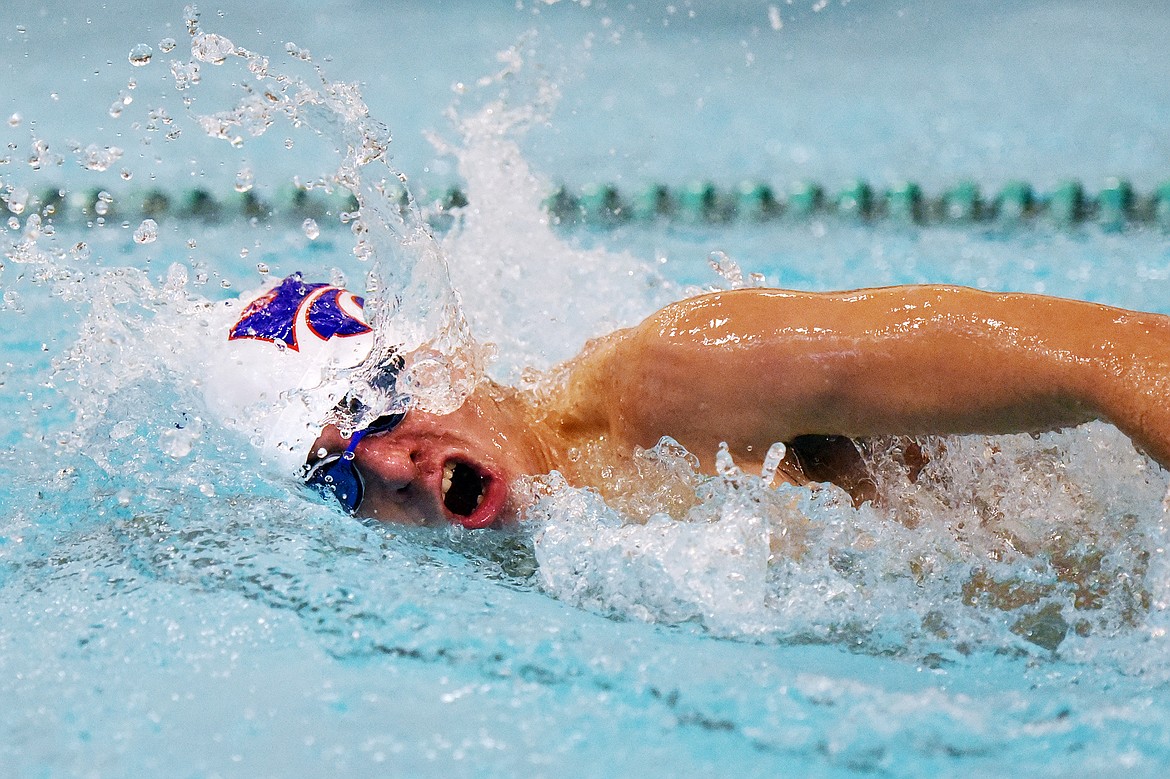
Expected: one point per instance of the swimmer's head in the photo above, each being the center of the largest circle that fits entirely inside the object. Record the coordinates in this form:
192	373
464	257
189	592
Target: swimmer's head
278	364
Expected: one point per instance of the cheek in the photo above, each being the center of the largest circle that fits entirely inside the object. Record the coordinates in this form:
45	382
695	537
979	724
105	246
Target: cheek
390	512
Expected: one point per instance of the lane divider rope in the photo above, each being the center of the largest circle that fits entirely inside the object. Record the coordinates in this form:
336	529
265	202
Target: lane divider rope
1114	206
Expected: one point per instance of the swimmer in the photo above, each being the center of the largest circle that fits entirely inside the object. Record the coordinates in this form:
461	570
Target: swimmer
748	367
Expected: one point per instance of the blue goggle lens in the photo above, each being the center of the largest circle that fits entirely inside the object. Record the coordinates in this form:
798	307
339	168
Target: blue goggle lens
337	476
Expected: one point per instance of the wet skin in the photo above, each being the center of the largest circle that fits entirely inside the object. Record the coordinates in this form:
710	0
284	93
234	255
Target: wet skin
752	367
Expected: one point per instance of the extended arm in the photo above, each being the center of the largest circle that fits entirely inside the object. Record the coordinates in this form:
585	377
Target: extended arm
755	366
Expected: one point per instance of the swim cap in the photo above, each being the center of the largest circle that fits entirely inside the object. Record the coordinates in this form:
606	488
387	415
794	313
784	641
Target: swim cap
277	363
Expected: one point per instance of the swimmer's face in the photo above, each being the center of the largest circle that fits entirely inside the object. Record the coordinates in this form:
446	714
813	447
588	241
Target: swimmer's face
429	469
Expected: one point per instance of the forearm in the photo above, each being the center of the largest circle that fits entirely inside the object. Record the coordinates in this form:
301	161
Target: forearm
759	366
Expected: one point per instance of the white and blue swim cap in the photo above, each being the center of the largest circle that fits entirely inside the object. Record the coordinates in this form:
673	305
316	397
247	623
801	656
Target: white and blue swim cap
278	364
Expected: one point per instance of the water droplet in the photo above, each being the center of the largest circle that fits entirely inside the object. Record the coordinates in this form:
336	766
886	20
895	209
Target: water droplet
17	200
727	268
99	158
41	157
262	268
225	283
15	120
209	47
32	227
147	232
123	496
772	461
13	223
311	229
80	250
12	301
207	489
191	244
166	45
774	18
244	179
724	465
243	252
298	52
288	143
191	18
140	55
258	65
185	74
126	174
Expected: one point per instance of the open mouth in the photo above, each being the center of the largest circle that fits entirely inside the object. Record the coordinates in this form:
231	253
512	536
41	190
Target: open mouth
463	488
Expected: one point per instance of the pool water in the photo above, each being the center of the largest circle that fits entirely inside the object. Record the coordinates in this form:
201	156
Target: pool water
172	604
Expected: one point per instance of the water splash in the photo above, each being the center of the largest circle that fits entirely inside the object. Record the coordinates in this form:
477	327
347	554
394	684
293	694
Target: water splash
1021	544
413	305
537	296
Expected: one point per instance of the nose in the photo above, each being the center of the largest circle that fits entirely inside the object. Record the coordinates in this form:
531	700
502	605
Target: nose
391	465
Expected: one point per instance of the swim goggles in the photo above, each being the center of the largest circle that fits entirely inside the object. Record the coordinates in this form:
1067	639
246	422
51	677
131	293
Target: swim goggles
337	476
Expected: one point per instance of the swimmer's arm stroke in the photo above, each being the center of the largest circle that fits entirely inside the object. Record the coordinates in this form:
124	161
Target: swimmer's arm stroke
751	367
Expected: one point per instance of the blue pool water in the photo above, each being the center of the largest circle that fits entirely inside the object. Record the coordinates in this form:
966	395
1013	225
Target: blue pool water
171	605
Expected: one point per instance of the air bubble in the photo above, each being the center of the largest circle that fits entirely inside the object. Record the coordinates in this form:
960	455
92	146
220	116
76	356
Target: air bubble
312	231
147	232
140	55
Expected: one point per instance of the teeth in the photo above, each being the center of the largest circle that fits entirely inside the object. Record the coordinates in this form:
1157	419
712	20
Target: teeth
448	472
479	500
